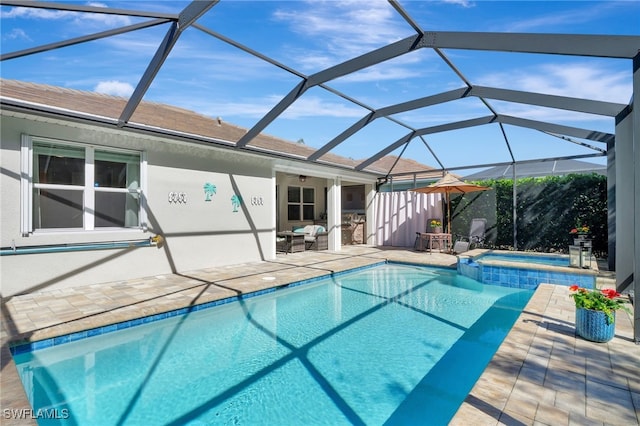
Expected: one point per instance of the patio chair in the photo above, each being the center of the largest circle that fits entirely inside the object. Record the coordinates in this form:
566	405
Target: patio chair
476	236
460	247
315	237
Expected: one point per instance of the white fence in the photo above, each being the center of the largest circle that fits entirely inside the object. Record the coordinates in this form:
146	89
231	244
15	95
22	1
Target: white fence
401	214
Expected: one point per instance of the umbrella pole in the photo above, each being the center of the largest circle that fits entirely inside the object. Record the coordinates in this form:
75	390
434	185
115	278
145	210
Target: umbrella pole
448	198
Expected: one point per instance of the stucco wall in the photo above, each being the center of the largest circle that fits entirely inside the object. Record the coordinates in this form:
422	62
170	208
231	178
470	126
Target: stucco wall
198	233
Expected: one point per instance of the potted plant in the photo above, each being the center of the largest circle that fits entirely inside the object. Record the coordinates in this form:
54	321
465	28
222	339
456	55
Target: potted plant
596	312
436	226
581	231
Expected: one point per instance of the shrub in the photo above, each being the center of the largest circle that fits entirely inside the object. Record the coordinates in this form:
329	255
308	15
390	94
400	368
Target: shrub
547	209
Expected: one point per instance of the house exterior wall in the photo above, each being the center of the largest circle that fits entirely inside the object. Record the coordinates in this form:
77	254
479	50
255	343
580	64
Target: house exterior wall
197	233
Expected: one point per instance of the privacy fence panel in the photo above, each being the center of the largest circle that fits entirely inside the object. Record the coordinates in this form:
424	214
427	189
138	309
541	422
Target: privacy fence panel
401	214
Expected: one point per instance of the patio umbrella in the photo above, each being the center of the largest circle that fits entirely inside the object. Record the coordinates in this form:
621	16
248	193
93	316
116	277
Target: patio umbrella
450	184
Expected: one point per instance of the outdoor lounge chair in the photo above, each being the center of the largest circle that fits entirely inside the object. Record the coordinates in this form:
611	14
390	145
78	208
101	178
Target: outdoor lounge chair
475	238
315	237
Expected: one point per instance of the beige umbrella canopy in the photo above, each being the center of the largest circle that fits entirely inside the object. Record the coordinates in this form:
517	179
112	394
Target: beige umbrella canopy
450	184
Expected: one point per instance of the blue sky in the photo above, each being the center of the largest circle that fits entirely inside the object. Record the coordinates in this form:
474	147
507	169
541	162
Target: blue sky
215	79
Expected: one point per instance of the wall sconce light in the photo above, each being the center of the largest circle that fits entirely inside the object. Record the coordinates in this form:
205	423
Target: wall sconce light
302	178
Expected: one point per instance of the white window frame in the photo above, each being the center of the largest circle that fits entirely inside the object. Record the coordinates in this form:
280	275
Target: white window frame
27	186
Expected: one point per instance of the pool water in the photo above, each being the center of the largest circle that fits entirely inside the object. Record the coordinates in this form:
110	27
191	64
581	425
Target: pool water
394	344
557	260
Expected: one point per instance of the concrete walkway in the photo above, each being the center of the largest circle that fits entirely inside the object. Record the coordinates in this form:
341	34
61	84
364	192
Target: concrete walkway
542	374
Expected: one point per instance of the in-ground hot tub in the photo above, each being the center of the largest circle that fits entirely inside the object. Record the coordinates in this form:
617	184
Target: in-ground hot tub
523	269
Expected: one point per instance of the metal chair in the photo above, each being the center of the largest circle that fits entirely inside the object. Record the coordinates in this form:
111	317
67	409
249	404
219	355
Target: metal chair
476	237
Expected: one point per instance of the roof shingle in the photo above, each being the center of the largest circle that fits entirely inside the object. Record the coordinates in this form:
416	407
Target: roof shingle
172	118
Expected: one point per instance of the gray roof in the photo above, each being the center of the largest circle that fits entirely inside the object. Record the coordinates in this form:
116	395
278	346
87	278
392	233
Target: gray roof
539	169
167	119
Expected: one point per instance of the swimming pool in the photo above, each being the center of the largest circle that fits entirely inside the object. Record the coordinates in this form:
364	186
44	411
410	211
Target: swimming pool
392	344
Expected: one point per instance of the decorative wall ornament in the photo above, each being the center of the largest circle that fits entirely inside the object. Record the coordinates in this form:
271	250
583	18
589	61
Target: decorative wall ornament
209	190
236	200
177	197
257	201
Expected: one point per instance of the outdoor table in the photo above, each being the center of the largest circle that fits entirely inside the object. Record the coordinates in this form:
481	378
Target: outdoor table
443	240
294	241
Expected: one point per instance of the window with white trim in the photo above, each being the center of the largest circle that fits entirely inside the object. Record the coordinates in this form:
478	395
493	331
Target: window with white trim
69	186
300	203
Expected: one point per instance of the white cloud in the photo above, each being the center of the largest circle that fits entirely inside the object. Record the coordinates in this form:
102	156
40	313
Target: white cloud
584	12
17	34
103	19
381	73
256	108
316	107
115	88
34	13
137	44
579	80
533	112
78	18
349	20
463	3
342	29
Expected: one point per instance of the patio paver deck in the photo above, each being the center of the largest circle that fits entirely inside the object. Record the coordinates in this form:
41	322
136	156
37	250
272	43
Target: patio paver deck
542	373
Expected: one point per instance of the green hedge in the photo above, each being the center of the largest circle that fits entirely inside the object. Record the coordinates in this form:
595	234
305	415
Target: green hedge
547	209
